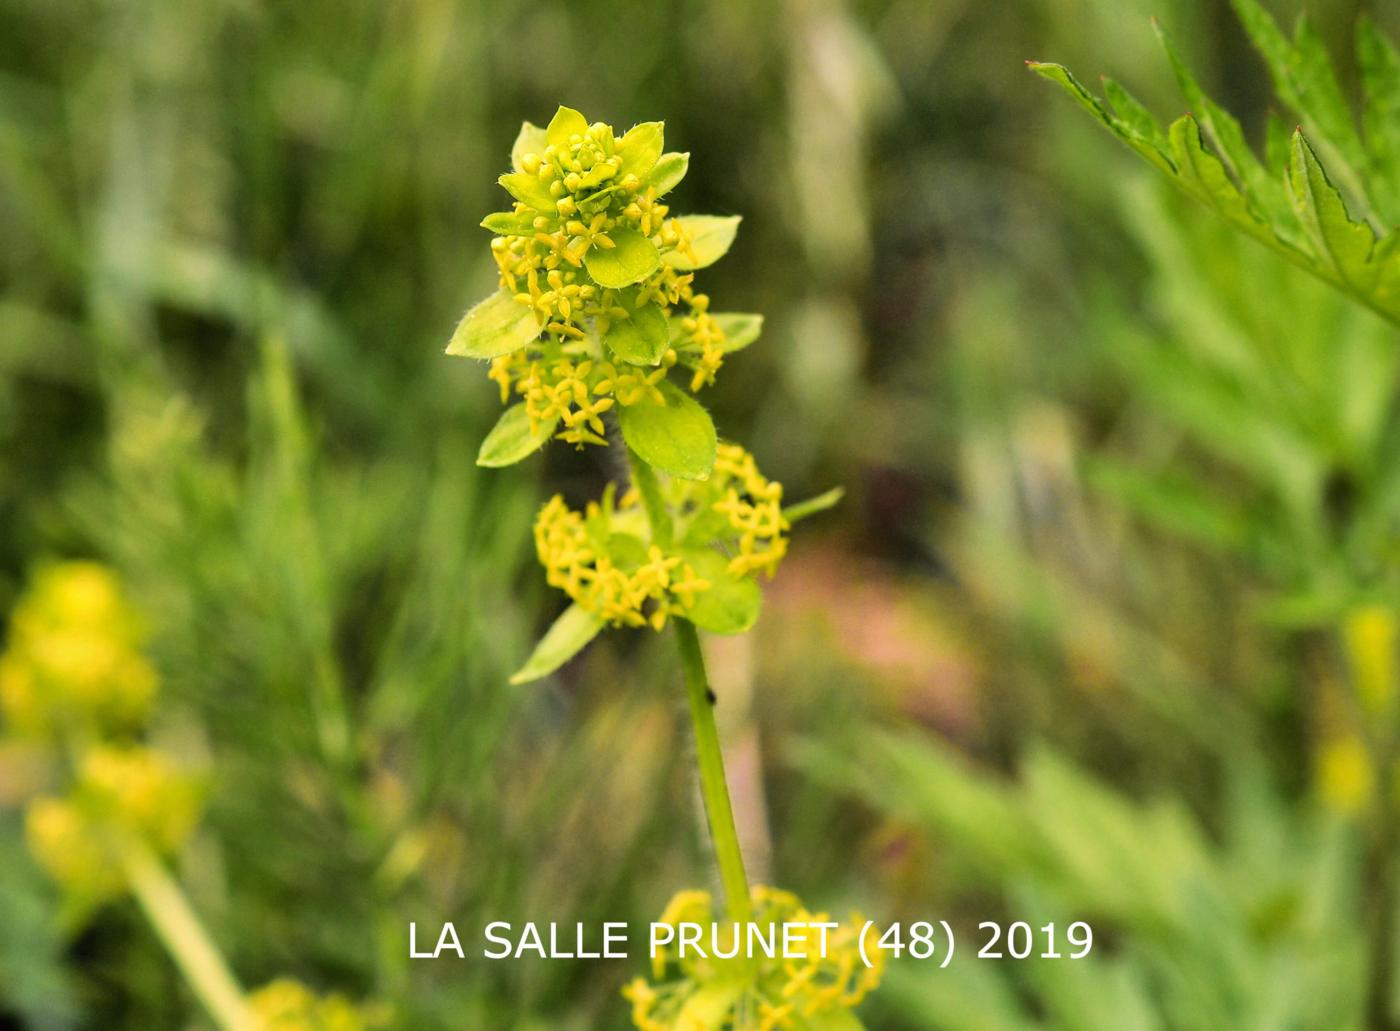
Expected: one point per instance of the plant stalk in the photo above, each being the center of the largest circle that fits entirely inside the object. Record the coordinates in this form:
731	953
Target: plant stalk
184	937
713	786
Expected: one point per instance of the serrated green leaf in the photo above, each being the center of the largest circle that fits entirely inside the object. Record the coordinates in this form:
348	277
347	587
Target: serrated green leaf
641	148
513	439
1344	246
630	260
1060	75
641	339
1202	175
669	171
677	437
740	328
528	189
1225	134
1304	78
566	124
711	237
731	604
810	507
568	636
1133	114
511	223
530	140
496	326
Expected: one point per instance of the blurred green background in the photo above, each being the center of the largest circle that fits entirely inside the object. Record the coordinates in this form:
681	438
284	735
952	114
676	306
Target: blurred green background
1015	675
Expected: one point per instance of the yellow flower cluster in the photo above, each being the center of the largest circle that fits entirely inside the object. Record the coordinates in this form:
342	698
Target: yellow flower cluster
129	790
586	191
606	559
74	679
753	507
287	1005
612	573
753	992
572	383
73	662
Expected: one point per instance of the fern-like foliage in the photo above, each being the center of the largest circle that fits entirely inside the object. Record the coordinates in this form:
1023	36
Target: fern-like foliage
1326	194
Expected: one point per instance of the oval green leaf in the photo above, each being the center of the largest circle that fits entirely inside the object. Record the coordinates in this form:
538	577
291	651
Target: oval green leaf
496	326
669	171
531	140
511	223
640	149
677	437
711	237
512	438
740	328
731	604
630	260
566	123
561	642
528	189
641	339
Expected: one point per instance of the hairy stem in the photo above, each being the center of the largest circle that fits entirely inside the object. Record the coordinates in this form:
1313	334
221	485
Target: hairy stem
713	786
184	937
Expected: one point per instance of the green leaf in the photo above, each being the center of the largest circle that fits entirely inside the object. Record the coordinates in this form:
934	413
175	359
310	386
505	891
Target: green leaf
740	328
1201	174
511	223
566	124
731	603
677	437
640	149
496	326
1133	114
529	190
512	439
1060	75
810	507
669	171
1224	133
561	642
641	339
1343	246
711	236
531	140
630	260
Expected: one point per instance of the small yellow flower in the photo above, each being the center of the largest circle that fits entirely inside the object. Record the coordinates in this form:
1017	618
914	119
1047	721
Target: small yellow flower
754	992
287	1005
119	791
74	658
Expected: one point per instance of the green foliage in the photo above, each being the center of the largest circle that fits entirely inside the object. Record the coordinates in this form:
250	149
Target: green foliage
1333	216
513	438
674	435
568	635
493	327
1247	932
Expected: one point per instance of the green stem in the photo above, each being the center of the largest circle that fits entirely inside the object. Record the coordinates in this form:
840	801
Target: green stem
713	786
644	479
188	943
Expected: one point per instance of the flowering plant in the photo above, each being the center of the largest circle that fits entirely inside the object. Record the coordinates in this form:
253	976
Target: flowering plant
596	307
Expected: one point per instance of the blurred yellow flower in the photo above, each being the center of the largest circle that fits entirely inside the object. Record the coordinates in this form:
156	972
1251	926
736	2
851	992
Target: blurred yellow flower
74	659
127	790
753	993
287	1005
1370	633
